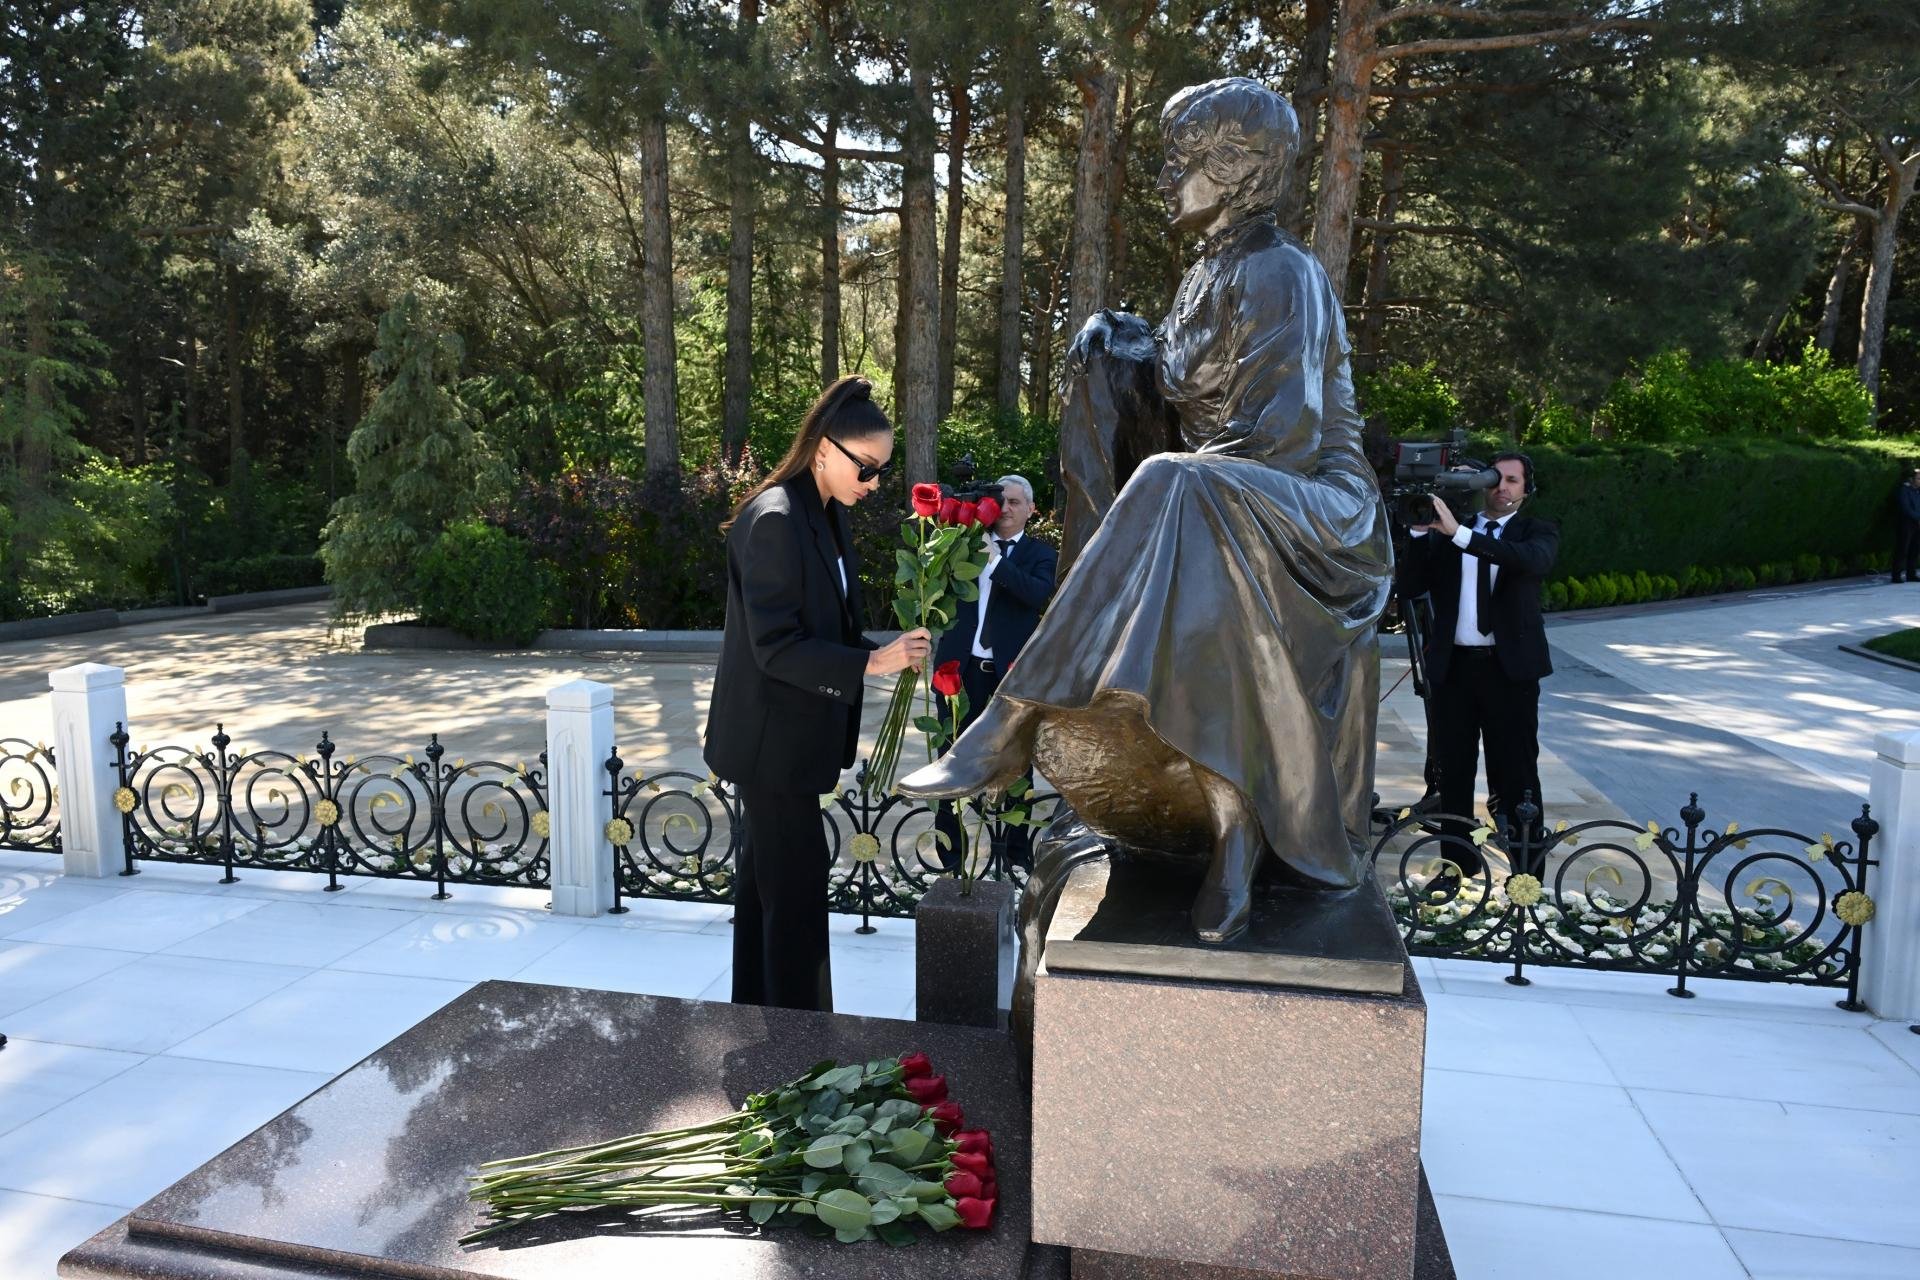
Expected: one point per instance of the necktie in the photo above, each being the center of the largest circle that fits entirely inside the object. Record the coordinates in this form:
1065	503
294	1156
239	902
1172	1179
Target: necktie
1483	601
1006	544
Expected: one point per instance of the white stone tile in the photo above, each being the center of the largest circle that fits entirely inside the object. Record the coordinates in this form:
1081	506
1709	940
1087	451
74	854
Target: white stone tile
461	899
36	1230
1900	1038
473	946
1495	1240
1752	1058
669	915
1604	990
871	981
28	904
1769	1255
666	963
327	1021
133	1136
141	920
36	1077
31	972
150	1005
299	933
250	882
1505	1138
1801	1170
1511	1038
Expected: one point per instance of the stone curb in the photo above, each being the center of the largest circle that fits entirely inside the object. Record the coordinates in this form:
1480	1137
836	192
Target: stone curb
106	619
1860	650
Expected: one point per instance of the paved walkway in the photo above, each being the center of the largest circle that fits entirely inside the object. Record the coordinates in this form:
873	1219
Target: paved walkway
1582	1126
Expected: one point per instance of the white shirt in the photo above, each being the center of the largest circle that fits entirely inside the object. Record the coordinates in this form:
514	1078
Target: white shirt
1466	630
986	589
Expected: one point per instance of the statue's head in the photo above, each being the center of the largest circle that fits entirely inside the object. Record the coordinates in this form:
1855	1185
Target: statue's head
1228	145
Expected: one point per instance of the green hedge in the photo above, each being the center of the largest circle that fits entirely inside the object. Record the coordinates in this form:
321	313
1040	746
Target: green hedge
1719	505
271	572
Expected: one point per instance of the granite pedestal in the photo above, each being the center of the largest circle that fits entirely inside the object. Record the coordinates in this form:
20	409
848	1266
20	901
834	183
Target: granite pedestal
368	1176
965	954
1209	1111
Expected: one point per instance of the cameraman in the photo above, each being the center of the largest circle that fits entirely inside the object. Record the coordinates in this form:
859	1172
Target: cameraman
1487	649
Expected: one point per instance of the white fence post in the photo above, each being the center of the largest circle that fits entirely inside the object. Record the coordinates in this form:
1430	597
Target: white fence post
579	740
1890	959
88	701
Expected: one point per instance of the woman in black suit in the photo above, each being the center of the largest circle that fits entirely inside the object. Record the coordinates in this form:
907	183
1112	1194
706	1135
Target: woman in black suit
785	717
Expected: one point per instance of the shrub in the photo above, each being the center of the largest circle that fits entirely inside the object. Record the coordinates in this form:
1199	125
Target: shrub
1556	597
1642	586
1665	586
1600	591
484	583
1672	399
1807	567
1741	579
1412	400
272	572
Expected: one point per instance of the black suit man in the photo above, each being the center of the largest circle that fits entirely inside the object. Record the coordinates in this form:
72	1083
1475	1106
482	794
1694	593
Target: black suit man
1014	591
1487	649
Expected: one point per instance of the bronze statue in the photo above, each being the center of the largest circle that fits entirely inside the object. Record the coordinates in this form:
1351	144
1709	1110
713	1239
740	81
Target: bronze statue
1204	686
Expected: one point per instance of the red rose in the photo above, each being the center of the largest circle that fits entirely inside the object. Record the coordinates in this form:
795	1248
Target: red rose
949	511
915	1065
926	500
969	513
989	511
927	1090
946	683
990	1190
977	1165
975	1142
962	1184
947	1116
975	1214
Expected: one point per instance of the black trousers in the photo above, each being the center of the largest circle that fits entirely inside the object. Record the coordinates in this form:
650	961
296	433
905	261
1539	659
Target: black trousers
979	685
1906	549
1479	702
780	950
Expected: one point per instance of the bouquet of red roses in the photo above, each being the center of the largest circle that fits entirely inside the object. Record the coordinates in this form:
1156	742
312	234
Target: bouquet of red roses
935	569
859	1152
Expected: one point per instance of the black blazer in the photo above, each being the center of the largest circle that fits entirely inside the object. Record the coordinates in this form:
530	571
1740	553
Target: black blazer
1524	554
785	713
1022	586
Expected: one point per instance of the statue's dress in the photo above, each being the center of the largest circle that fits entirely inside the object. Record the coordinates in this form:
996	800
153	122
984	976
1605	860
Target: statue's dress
1222	613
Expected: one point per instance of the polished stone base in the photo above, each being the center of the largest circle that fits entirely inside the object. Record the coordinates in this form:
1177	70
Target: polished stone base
1269	1129
965	954
368	1176
1431	1258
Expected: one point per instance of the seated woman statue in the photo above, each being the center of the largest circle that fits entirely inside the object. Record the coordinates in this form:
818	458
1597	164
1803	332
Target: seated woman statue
1204	686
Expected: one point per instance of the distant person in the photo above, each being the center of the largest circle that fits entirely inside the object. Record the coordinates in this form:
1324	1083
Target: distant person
988	634
785	717
1486	651
1906	530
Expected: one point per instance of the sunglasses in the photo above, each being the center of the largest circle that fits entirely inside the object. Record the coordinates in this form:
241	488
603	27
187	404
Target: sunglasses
867	470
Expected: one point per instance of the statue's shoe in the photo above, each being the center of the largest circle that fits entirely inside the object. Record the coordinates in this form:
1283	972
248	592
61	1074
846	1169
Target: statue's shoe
961	773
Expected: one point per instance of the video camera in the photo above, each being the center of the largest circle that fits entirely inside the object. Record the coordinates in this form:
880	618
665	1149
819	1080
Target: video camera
964	489
1423	469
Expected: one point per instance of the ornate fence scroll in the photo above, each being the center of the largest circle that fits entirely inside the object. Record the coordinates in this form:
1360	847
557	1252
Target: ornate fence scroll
1762	905
29	797
392	817
677	835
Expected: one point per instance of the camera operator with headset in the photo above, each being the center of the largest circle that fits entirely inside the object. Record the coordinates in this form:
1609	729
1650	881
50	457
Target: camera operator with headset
1486	649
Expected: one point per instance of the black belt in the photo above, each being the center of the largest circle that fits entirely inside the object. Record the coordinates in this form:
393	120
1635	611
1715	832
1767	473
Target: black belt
985	664
1474	650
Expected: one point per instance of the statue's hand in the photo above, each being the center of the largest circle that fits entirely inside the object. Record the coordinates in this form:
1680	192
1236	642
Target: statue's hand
1092	339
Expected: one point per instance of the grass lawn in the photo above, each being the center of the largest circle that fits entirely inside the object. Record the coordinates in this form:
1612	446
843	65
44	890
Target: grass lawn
1898	644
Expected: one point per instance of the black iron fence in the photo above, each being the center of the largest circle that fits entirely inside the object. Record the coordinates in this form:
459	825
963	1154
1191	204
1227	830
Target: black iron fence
677	835
29	797
392	817
1762	905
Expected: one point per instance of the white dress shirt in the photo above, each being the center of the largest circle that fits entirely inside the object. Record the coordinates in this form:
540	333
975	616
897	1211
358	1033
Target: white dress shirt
1466	629
985	581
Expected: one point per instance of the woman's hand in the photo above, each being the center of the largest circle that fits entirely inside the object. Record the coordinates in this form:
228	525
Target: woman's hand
1091	340
910	650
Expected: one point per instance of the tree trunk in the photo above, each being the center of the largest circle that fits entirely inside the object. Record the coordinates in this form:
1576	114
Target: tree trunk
1006	390
1307	90
1873	307
1344	159
236	379
36	437
1770	330
737	380
1092	175
1370	332
192	397
830	256
1040	393
1837	287
959	124
1117	240
919	394
661	392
